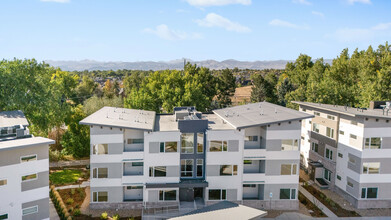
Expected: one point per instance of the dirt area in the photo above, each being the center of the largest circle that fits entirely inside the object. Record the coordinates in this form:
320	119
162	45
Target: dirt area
242	95
315	211
73	199
274	213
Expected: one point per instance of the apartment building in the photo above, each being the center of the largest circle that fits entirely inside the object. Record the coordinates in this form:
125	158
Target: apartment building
349	150
24	170
248	154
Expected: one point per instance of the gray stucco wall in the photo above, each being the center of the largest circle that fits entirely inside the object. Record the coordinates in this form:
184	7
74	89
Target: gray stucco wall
386	143
357	166
114	169
104	130
273	145
213	170
355	190
273	167
43	209
385	164
275	189
116	148
154	147
41	181
12	156
115	194
172	171
233	145
232	194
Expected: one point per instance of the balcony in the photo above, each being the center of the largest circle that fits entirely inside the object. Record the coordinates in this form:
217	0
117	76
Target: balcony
133	168
133	193
253	191
253	178
254	145
133	147
254	166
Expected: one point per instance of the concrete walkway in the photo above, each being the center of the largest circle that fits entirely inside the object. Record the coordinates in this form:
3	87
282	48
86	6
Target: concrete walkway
317	203
298	216
69	163
82	185
52	210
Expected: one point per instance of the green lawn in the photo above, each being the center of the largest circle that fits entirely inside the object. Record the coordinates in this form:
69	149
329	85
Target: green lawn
65	177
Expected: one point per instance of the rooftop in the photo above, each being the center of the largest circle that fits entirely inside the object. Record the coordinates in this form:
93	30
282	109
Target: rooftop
363	112
12	118
25	142
259	114
122	118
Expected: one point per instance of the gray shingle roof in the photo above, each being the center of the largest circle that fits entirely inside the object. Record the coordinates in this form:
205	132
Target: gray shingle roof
259	114
12	118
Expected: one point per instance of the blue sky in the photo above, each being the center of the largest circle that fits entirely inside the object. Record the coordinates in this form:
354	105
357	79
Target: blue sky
163	30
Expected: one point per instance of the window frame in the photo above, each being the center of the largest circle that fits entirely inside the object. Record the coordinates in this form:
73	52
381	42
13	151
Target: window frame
185	149
251	138
369	140
95	151
95	196
234	170
202	167
294	146
31	207
4	180
164	195
152	171
330	154
95	173
330	132
5	216
291	191
165	147
293	169
328	178
347	183
223	193
185	171
315	147
331	117
315	127
132	140
28	180
198	142
222	146
369	167
365	195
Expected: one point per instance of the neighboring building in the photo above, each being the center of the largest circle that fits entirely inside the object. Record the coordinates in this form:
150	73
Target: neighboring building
24	170
248	154
349	150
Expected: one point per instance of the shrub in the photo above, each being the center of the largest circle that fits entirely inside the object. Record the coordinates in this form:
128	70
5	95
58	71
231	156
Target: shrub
104	215
80	191
76	212
77	206
70	209
70	201
116	217
55	155
73	191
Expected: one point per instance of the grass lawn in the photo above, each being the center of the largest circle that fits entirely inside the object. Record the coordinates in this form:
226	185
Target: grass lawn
65	177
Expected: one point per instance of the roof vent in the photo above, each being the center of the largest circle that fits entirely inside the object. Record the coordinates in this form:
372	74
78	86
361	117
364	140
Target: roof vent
275	110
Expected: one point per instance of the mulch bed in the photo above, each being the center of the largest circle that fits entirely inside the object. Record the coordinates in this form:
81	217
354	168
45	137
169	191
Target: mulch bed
316	212
73	198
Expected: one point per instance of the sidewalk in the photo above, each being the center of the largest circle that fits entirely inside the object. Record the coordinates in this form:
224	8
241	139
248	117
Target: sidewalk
69	163
316	202
82	185
52	210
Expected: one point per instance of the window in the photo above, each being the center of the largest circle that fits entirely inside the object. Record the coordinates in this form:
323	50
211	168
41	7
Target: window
350	184
200	164
371	168
136	141
290	144
216	146
369	193
341	132
330	132
100	173
168	147
29	210
352	160
315	147
372	143
29	177
3	182
217	194
186	168
200	143
340	155
100	149
288	169
327	174
157	171
187	141
287	193
352	136
330	117
329	154
3	216
228	170
249	186
251	138
315	127
28	158
317	113
100	196
137	164
353	122
167	195
134	187
247	162
339	177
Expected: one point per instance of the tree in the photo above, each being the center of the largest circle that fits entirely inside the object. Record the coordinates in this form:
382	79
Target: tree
262	90
225	88
85	89
95	103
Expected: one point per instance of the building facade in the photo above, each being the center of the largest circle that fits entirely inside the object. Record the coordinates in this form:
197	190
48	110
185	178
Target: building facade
24	170
349	150
248	154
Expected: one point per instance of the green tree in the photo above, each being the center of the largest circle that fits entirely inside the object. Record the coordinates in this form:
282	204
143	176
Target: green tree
226	85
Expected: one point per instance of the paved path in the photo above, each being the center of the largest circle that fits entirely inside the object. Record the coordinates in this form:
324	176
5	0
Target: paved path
69	163
82	185
298	216
53	212
320	205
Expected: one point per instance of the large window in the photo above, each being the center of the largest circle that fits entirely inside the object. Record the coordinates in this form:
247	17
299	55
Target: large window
352	136
187	168
3	216
28	158
352	160
329	154
30	210
327	174
29	177
372	143
217	194
187	140
315	127
330	132
251	138
288	169
100	173
247	162
100	196
369	193
371	168
135	141
350	184
228	170
3	182
200	143
167	195
218	146
315	147
287	193
100	149
167	147
157	171
200	164
290	144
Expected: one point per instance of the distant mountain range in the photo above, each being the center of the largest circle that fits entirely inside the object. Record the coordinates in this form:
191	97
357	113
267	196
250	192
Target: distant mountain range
161	65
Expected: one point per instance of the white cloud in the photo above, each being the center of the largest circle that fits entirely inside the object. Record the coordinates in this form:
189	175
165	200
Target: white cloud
303	2
165	33
382	26
362	34
215	20
281	23
359	1
317	13
206	3
58	1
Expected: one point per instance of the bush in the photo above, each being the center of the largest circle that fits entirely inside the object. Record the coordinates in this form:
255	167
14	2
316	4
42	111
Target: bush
70	201
70	209
76	212
73	191
104	215
55	155
116	217
80	191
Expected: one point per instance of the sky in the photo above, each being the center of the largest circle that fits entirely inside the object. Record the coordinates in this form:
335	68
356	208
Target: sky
164	30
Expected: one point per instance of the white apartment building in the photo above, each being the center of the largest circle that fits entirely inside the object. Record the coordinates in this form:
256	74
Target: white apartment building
349	150
248	154
24	170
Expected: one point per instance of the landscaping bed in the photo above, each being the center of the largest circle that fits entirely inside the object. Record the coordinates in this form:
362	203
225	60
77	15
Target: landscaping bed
73	198
68	176
333	206
316	212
